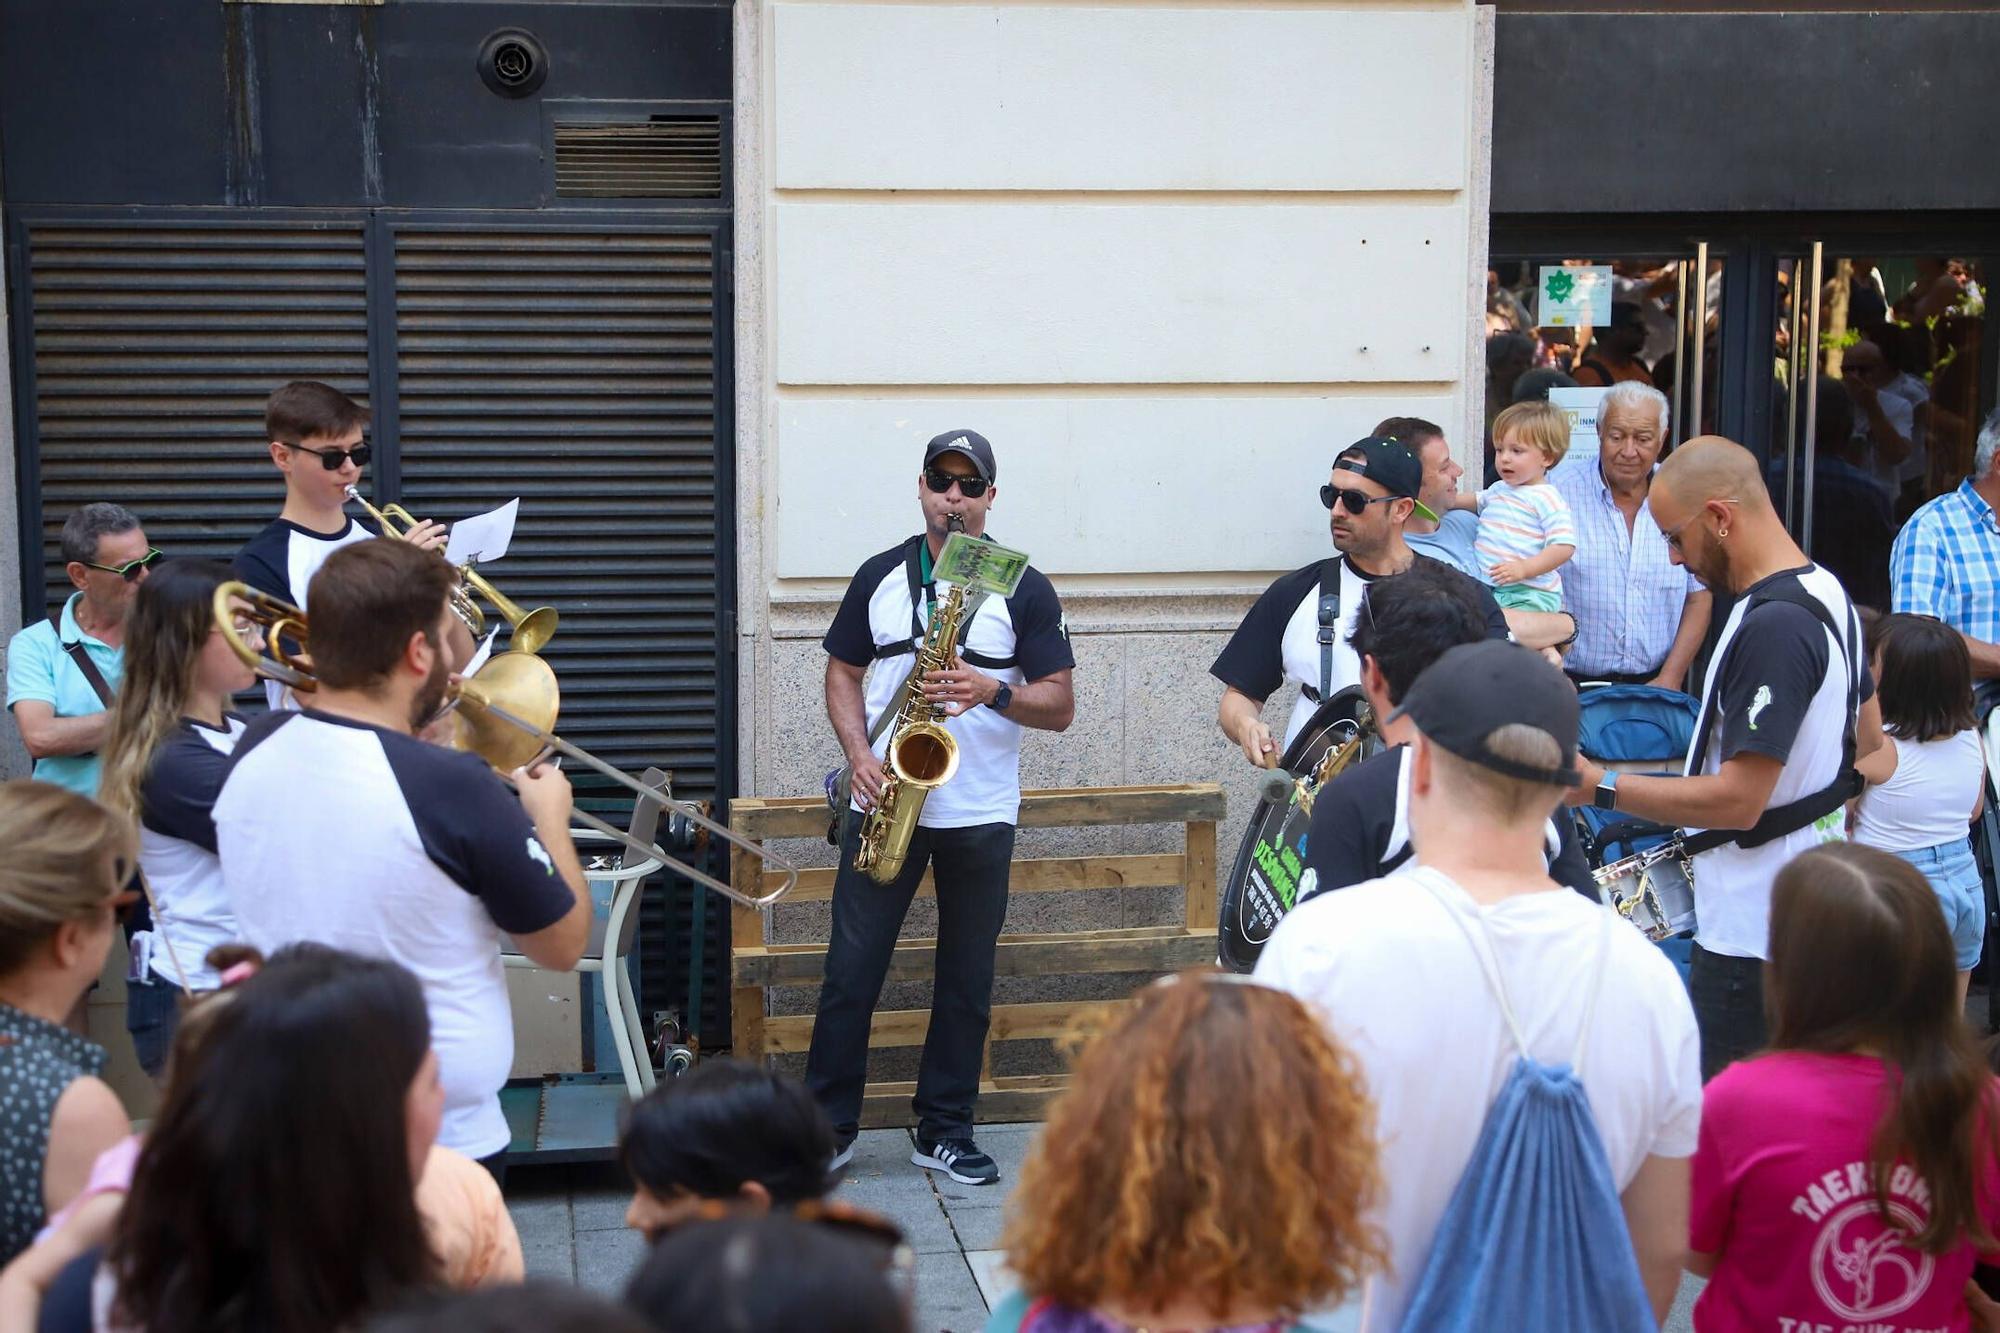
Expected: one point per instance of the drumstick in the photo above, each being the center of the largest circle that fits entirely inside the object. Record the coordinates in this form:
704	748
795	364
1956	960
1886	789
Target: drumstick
1275	786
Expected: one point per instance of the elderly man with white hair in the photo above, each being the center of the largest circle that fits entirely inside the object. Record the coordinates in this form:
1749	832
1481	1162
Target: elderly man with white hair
1946	560
1640	616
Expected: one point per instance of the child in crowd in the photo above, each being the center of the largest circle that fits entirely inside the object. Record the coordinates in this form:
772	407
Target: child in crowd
724	1131
538	1307
1852	1172
827	1269
1930	780
1525	529
1163	1192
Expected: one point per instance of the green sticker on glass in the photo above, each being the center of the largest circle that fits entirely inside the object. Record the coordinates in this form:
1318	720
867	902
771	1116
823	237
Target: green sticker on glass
988	566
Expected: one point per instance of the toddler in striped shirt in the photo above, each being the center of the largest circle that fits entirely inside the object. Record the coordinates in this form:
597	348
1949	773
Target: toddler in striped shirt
1525	530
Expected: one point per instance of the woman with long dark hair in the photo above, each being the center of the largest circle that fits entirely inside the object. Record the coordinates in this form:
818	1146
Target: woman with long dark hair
276	1191
1850	1174
171	737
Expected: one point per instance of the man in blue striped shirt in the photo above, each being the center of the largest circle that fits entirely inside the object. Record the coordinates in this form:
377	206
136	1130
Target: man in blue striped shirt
1946	561
1640	616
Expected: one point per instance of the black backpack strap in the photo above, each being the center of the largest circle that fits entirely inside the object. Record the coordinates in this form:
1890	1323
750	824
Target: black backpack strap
1809	809
81	656
1329	625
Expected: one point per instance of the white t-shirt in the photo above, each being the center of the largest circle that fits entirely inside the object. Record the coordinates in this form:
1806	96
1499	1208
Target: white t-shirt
1015	639
1278	640
1928	800
1399	985
1780	692
281	560
384	845
177	850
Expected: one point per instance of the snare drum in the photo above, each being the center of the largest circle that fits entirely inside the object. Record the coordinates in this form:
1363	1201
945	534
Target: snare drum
1654	890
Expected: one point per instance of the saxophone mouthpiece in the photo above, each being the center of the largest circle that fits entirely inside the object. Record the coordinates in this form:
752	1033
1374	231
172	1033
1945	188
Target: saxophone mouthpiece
955	522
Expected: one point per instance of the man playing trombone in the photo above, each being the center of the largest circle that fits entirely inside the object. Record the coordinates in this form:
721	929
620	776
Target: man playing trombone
336	824
317	443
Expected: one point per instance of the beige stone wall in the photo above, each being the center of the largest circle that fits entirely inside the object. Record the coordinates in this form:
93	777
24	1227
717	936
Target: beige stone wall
1168	259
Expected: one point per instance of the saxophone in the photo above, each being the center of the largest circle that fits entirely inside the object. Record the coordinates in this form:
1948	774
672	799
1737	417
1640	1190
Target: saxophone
922	754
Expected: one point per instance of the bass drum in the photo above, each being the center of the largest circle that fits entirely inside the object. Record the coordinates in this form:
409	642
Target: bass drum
1270	876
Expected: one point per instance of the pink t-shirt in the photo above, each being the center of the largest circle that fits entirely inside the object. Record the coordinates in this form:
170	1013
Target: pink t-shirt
1781	1196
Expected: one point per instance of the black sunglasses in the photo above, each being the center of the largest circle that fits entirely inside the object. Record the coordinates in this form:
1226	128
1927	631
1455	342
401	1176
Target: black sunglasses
1356	501
334	459
131	569
970	487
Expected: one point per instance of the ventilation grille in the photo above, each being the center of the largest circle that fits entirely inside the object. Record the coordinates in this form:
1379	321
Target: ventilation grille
575	369
668	157
155	346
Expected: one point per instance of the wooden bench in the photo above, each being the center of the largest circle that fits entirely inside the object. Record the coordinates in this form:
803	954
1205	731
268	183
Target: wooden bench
756	966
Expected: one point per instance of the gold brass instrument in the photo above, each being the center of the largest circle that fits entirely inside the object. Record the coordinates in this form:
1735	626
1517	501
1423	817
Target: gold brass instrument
922	754
1357	740
506	714
532	629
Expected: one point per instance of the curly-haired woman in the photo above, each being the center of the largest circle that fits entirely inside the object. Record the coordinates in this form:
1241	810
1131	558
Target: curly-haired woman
1171	1186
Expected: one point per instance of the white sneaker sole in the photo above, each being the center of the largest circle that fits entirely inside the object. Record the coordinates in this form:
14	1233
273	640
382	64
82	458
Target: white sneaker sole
841	1159
930	1163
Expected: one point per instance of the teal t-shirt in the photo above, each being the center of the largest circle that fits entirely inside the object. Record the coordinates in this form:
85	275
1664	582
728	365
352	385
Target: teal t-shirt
39	668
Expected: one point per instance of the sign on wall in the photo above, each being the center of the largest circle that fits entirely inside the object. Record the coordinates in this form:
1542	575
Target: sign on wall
1580	406
1567	296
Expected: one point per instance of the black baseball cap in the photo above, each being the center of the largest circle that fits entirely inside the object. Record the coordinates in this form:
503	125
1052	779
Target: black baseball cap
968	442
1477	688
1387	461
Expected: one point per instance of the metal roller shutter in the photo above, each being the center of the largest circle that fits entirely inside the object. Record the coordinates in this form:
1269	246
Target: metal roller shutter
154	347
575	368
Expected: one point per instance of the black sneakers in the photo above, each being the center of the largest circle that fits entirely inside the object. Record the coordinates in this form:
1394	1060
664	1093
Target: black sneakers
958	1158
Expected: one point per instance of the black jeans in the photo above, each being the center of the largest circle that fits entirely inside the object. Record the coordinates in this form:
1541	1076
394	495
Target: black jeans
1728	995
152	1016
971	866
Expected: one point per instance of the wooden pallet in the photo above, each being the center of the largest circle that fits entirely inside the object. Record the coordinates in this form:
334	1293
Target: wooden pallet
758	967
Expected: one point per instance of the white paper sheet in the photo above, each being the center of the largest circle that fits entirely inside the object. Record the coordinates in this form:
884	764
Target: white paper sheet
482	537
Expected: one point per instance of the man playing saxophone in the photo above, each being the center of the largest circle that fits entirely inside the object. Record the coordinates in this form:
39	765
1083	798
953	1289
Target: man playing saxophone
1011	669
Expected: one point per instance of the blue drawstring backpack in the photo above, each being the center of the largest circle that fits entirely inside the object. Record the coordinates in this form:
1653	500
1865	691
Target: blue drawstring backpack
1534	1237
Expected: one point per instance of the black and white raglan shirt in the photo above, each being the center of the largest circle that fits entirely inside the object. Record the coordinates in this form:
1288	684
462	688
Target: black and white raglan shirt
1015	640
1361	830
177	850
1278	640
373	841
282	559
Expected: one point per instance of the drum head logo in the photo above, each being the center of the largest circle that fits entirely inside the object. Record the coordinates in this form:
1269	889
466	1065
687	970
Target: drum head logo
1864	1270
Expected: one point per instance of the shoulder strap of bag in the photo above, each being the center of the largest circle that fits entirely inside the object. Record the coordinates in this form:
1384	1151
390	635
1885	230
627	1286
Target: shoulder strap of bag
1792	816
1329	622
81	656
1489	965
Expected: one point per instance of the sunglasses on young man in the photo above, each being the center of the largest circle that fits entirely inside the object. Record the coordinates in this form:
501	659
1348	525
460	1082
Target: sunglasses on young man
1353	501
335	459
970	487
131	569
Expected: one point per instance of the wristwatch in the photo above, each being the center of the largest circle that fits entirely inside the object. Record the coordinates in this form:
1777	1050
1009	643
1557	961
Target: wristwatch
1002	698
1607	791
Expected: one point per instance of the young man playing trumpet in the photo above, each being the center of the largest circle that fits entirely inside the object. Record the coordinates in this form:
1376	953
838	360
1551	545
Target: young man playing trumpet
336	825
317	443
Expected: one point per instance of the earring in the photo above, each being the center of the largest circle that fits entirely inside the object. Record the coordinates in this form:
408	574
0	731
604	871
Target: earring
1720	533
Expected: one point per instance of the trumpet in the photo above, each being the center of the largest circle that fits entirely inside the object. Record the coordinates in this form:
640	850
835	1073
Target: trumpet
506	714
532	629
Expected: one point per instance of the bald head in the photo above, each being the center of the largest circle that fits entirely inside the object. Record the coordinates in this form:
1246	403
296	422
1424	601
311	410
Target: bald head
1709	467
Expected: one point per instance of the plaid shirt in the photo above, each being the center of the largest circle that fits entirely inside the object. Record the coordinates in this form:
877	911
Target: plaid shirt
1946	563
1621	585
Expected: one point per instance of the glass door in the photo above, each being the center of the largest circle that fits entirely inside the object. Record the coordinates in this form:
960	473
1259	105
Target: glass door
1881	361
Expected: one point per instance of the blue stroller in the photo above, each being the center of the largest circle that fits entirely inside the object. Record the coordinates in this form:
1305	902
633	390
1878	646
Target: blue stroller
1635	729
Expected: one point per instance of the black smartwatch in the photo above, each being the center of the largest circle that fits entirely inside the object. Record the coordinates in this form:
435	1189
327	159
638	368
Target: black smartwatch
1002	698
1606	797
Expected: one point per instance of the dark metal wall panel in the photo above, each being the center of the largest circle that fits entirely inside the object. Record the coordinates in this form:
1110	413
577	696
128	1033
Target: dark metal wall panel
1690	113
575	368
194	102
154	347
